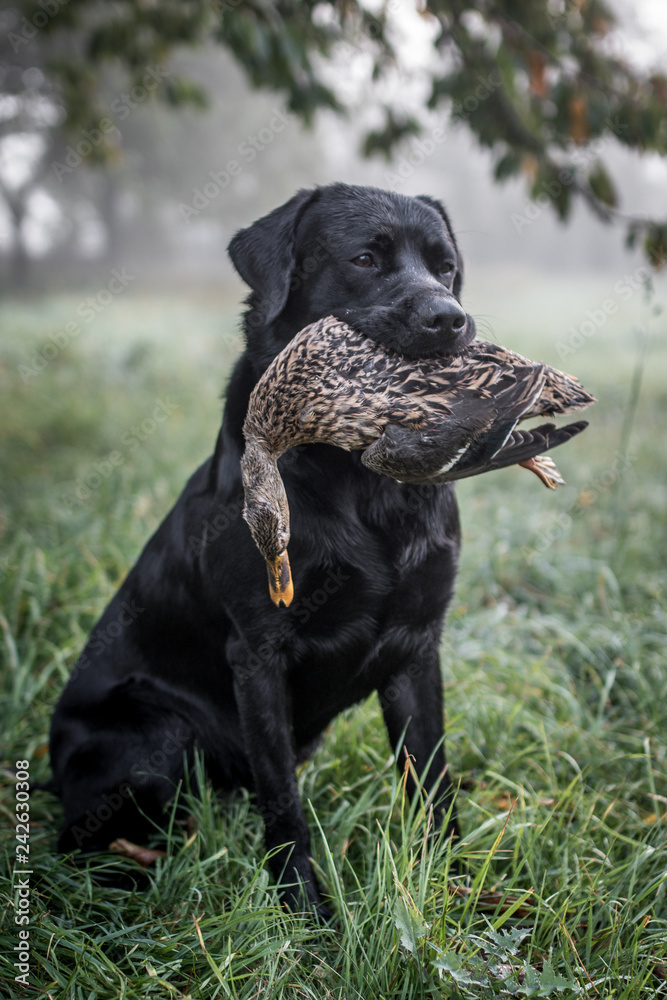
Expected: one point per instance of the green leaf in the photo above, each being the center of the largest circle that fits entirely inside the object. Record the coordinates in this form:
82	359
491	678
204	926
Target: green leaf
507	166
452	963
602	185
506	942
551	980
472	972
655	245
385	139
410	924
179	90
531	983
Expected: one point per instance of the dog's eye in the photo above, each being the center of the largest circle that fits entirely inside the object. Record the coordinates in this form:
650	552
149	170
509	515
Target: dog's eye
363	260
446	267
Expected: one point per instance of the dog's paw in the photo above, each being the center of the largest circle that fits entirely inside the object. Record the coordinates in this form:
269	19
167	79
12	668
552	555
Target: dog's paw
324	916
305	897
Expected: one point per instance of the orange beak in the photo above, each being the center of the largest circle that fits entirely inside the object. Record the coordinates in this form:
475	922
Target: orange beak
281	587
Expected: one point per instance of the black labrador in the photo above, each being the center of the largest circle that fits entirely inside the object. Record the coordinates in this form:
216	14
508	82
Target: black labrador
191	652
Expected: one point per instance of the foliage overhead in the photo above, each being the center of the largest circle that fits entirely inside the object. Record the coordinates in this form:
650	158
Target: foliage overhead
540	84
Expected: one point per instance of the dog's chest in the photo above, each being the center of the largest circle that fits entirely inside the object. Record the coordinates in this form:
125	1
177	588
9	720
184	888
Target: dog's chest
367	563
342	512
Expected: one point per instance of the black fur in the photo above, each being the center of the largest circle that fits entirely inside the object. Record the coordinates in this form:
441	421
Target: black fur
191	652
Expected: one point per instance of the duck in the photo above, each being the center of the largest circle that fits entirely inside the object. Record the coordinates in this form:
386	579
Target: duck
427	420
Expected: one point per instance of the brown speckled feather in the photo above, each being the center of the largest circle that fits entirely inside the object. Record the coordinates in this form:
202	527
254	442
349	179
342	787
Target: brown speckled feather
333	385
428	420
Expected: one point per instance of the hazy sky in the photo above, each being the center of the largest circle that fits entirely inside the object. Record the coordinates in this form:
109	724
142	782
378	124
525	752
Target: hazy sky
651	16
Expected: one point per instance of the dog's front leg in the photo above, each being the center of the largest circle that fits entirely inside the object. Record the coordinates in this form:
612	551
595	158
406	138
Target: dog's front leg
264	712
412	705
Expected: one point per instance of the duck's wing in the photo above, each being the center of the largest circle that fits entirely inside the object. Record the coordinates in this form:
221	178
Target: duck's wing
408	456
478	425
415	456
526	447
524	444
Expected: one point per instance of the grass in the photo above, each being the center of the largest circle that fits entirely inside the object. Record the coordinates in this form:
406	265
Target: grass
556	689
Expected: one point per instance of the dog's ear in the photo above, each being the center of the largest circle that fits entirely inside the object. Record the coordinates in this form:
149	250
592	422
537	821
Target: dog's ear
434	203
264	253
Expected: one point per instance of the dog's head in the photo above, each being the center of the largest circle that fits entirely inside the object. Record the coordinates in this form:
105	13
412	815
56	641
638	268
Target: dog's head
385	263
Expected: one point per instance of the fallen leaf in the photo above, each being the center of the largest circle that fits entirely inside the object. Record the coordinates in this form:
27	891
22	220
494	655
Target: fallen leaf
145	856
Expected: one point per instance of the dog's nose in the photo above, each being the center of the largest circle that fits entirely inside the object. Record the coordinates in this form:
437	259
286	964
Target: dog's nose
442	316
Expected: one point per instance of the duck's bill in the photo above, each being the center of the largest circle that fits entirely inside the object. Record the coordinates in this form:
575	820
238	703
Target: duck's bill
281	587
545	469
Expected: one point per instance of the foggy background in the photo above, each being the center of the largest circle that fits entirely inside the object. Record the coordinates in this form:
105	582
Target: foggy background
144	211
161	214
119	327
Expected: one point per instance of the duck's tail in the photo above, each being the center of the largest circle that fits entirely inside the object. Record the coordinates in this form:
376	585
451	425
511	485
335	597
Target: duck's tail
562	393
525	444
525	447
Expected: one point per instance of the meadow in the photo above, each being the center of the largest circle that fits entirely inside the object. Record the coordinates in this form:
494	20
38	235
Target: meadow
554	667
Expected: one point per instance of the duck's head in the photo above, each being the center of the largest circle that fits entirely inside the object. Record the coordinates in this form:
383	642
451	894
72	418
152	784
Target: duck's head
266	513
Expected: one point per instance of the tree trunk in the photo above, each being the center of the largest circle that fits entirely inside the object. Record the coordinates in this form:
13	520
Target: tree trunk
19	263
108	209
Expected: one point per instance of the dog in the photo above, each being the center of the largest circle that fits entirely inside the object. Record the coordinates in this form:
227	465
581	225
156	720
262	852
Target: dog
191	653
